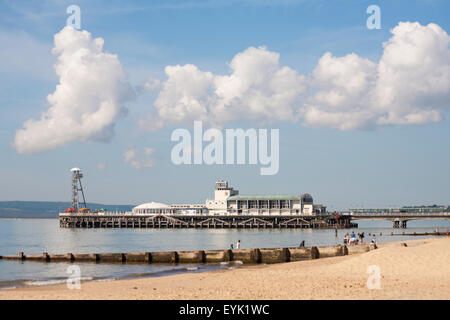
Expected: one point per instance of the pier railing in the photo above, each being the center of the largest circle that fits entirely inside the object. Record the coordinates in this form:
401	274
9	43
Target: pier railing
400	214
130	220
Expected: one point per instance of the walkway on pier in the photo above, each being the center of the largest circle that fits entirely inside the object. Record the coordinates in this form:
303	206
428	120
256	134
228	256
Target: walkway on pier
399	220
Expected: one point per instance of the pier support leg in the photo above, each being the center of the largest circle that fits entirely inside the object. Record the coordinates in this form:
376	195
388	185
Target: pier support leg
396	224
404	224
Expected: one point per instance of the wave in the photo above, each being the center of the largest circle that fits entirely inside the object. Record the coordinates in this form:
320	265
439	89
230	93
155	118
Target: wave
106	280
52	281
237	262
166	270
191	268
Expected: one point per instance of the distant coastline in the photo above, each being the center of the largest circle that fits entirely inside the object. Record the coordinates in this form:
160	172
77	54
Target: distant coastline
47	209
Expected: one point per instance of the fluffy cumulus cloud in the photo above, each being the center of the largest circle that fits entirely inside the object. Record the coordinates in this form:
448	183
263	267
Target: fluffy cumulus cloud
185	94
410	84
138	159
340	99
414	75
88	100
258	87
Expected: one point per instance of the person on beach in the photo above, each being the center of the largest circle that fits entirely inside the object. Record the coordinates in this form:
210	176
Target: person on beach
353	238
238	244
374	242
347	239
231	246
302	244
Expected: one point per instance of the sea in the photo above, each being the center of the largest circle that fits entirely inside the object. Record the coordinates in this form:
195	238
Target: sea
35	236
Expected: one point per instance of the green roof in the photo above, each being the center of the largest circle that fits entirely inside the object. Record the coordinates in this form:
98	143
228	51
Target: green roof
265	197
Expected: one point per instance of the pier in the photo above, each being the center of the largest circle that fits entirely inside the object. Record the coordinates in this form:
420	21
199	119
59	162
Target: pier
161	221
400	219
127	220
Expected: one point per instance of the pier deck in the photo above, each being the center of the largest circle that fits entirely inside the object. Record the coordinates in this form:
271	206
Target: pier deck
202	221
399	220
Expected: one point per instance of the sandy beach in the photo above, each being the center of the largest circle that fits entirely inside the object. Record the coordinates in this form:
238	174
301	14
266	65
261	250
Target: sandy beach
419	270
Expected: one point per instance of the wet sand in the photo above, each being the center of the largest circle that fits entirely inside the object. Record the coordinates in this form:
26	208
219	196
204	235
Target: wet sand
420	270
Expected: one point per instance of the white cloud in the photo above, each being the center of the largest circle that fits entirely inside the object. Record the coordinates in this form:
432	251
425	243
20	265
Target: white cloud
409	85
133	157
185	94
101	166
340	99
257	88
414	75
152	84
87	101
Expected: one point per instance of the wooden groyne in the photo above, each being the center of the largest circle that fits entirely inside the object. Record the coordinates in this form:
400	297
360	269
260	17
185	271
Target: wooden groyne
246	256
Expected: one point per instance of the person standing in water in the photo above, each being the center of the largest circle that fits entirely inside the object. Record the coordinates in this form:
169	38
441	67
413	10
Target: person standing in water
238	244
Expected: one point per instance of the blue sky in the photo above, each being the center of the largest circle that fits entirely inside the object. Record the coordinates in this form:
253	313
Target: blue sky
389	165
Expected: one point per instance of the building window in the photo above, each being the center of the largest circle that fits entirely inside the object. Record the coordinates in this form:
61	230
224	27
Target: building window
273	204
284	204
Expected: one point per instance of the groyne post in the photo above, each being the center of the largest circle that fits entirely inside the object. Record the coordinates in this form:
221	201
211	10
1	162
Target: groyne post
215	256
332	251
275	255
303	253
246	255
191	256
45	257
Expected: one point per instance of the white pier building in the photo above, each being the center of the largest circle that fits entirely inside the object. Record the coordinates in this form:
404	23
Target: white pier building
228	201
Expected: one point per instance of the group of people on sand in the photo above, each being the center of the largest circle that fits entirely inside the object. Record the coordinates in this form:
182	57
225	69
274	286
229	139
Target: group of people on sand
350	239
353	239
238	245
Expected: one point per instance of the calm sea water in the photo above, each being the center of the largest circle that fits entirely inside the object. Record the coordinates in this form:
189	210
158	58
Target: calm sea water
34	236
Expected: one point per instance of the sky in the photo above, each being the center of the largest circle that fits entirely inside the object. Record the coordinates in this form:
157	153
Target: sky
362	113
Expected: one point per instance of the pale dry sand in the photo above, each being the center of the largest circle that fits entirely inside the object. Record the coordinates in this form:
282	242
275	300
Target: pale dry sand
419	271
